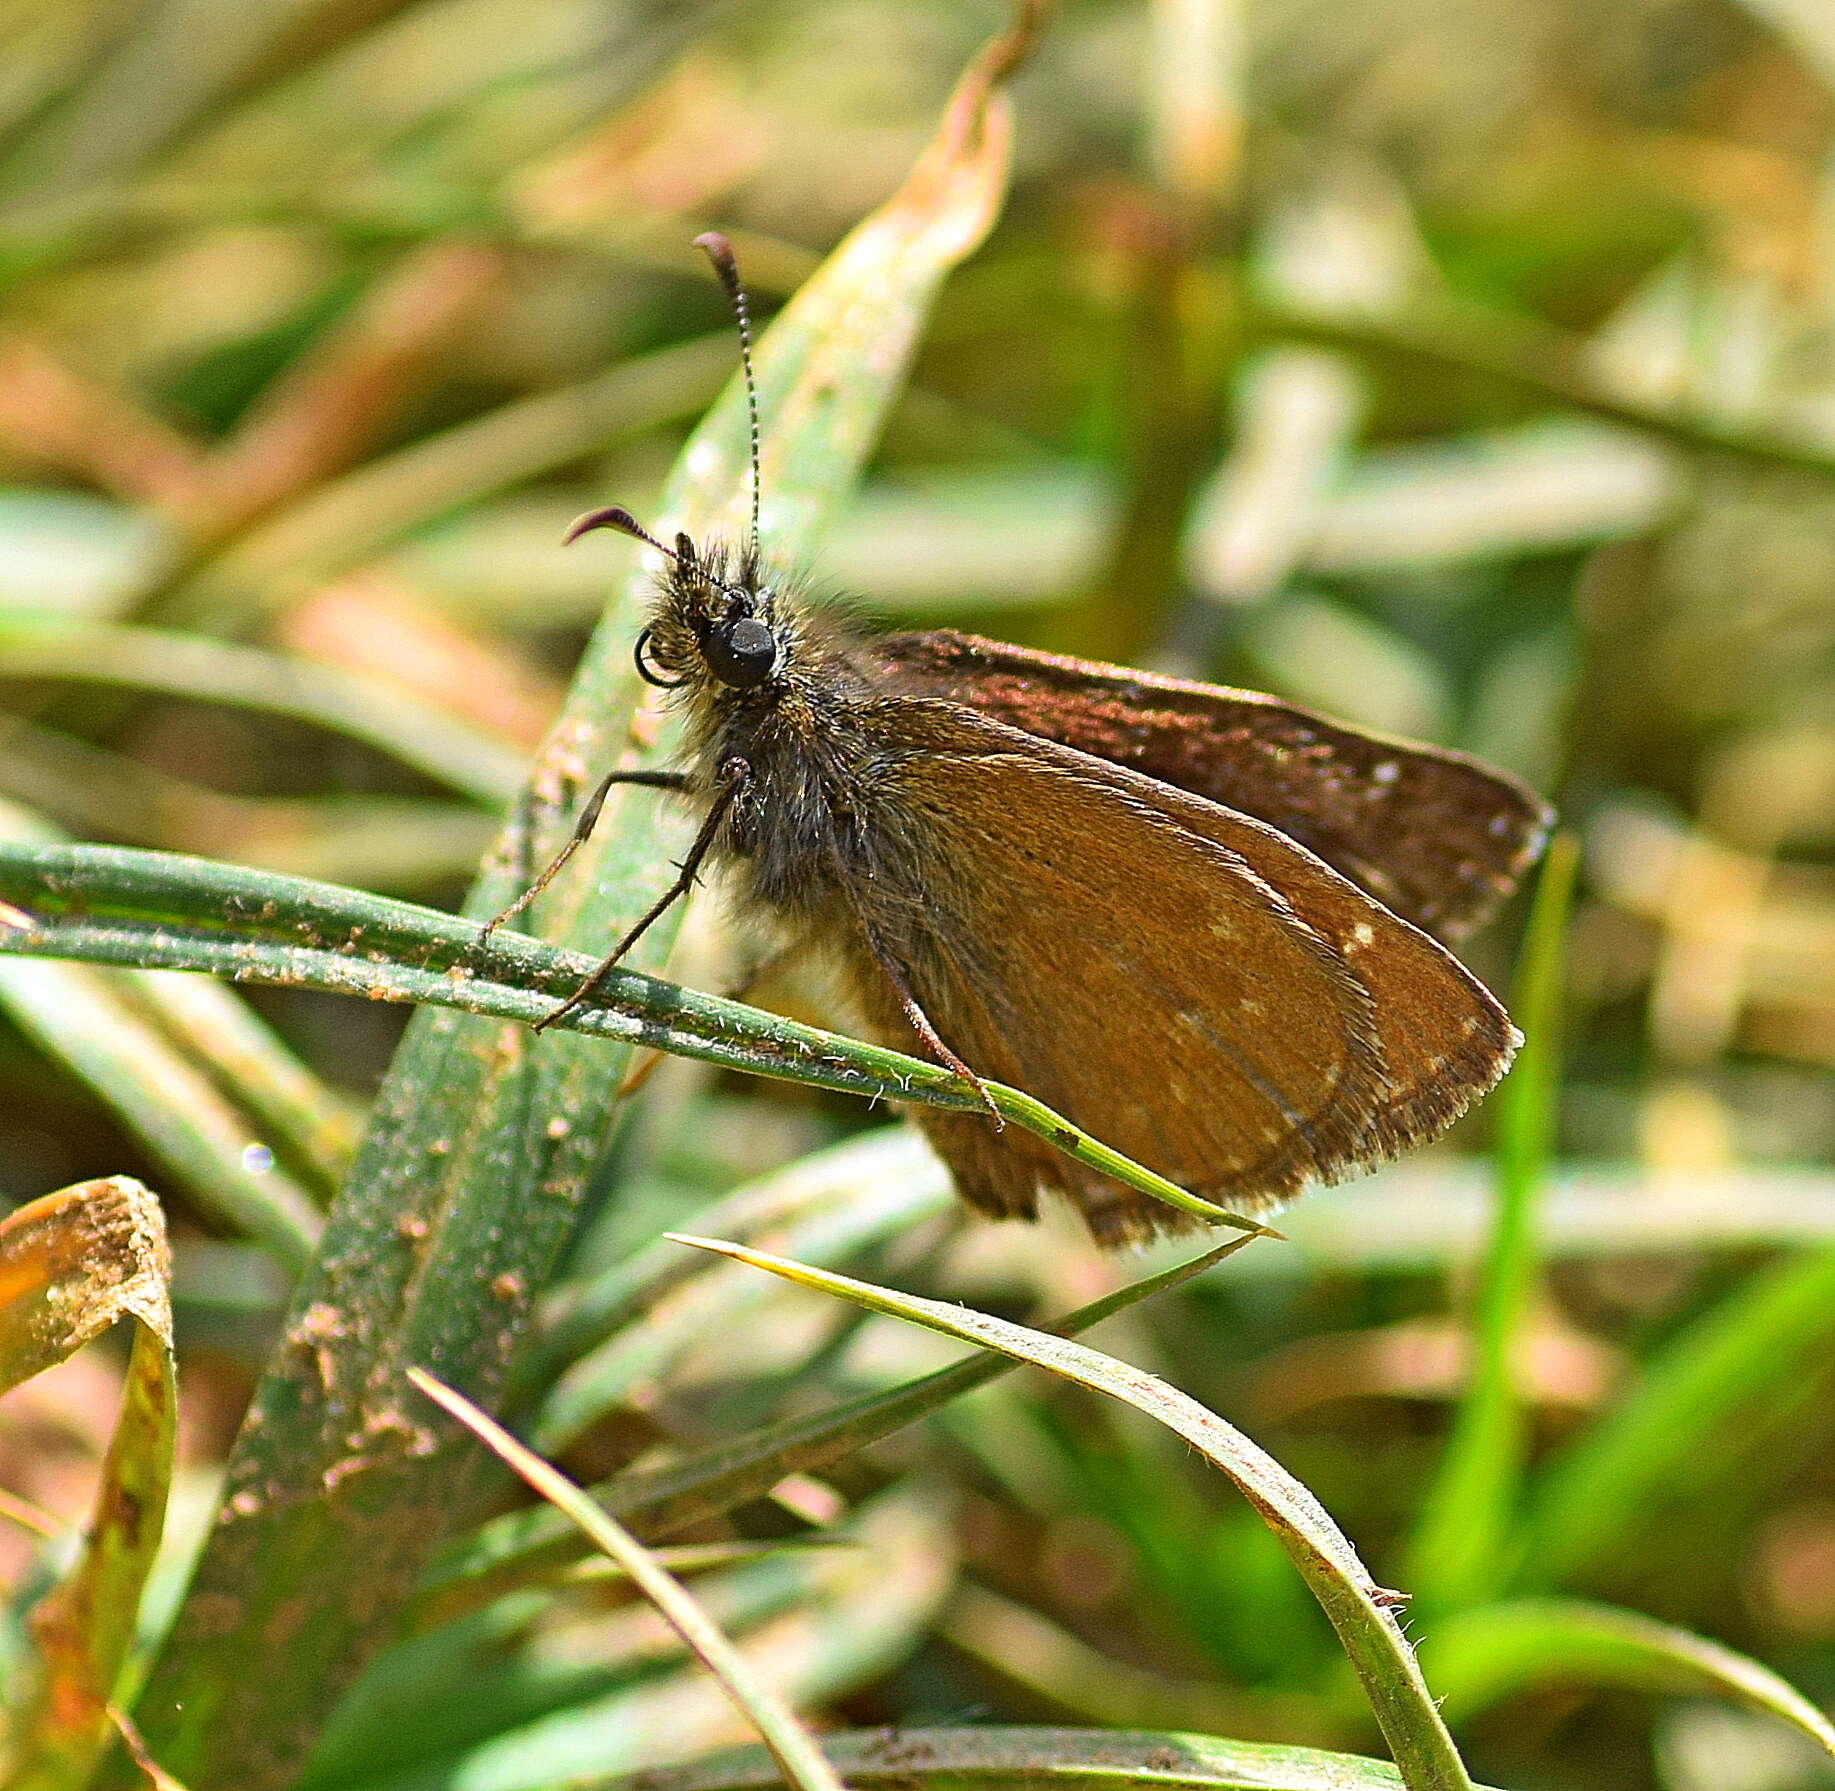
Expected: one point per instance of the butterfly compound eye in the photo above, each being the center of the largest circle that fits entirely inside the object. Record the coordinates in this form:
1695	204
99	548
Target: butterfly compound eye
743	653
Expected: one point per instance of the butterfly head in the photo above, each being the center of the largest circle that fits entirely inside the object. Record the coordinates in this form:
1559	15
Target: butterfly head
716	622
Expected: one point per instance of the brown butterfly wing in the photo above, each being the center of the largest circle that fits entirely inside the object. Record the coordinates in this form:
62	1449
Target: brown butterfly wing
1435	835
1184	982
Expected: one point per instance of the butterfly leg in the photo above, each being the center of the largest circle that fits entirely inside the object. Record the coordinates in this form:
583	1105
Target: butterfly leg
737	774
582	832
920	1024
740	988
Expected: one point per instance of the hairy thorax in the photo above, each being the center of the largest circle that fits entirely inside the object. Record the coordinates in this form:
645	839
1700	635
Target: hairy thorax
803	833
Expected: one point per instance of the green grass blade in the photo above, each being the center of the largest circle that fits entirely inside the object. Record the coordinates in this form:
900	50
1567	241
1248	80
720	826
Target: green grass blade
465	1190
166	70
246	1061
796	1754
510	1550
79	1017
1483	1656
819	1623
1430	1213
1011	1759
1458	1555
1352	1601
338	524
117	905
890	1162
1689	1405
382	715
1437	338
144	1056
714	1305
231	1043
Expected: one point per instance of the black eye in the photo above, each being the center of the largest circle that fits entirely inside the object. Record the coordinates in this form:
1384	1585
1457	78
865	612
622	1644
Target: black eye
743	653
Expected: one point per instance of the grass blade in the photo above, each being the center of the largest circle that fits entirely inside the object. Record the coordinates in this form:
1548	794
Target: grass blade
1520	355
1692	1399
138	1048
796	1754
1008	1759
889	1163
1485	1655
71	1265
340	523
717	1304
202	1138
116	905
382	715
1354	1603
241	1054
521	1545
1459	1552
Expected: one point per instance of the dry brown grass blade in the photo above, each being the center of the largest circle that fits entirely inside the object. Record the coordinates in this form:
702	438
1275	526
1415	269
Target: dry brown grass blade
71	1265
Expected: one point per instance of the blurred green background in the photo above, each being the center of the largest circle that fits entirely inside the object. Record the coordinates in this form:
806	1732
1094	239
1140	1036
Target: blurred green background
1466	369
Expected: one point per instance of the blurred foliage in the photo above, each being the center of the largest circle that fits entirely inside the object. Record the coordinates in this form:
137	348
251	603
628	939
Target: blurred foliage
1466	368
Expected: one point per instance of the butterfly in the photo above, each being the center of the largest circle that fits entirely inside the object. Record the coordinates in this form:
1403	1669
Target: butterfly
1207	926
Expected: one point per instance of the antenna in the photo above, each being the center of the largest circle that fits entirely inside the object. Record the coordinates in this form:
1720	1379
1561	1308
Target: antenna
720	252
616	516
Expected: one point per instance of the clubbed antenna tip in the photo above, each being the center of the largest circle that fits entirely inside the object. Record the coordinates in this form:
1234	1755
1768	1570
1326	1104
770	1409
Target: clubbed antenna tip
720	252
617	517
613	516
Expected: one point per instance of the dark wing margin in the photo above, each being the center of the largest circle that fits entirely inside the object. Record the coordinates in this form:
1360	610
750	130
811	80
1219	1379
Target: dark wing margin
1435	835
1188	984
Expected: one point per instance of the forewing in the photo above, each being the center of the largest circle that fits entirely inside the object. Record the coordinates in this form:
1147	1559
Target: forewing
1435	835
1184	982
